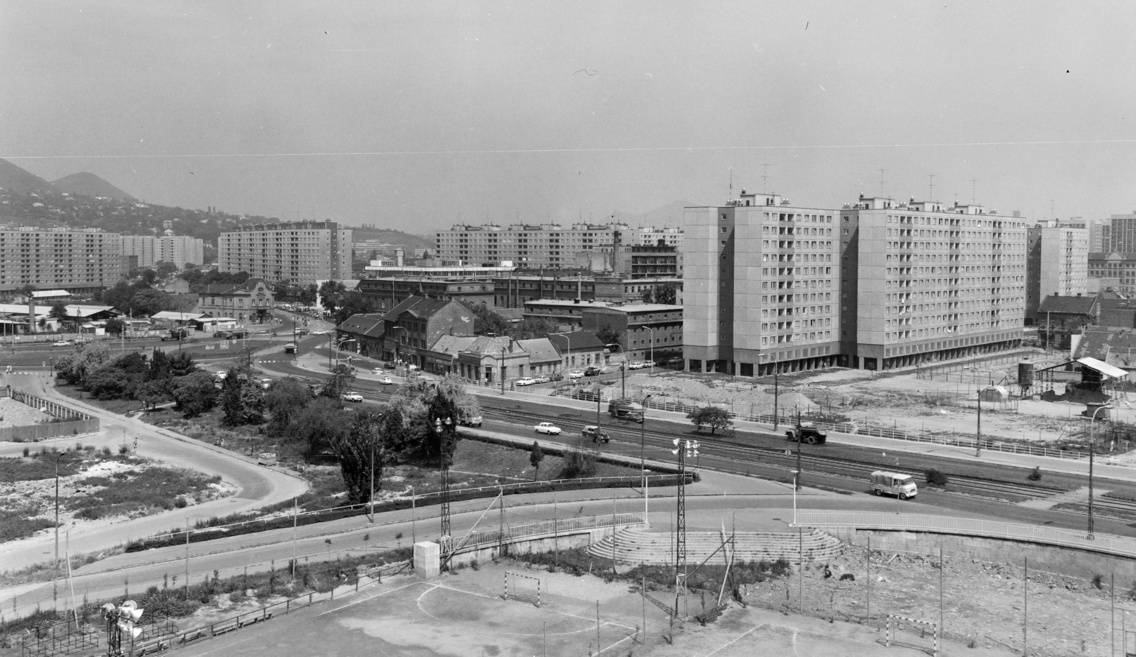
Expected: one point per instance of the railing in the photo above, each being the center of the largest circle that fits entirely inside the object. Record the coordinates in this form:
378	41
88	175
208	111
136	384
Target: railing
73	424
61	639
211	532
1106	543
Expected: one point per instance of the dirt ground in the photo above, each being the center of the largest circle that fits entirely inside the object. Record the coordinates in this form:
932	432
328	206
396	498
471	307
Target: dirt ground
464	614
937	403
17	414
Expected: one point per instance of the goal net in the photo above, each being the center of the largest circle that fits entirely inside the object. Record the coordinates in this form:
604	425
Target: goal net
913	633
519	586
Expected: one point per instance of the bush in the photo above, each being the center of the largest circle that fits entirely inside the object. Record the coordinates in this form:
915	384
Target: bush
123	449
180	502
27	451
1035	474
936	477
106	450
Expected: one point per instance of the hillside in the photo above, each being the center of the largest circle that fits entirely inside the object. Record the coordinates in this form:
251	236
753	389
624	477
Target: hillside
15	179
88	184
393	237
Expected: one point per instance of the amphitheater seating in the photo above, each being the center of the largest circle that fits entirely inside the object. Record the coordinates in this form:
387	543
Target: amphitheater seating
637	545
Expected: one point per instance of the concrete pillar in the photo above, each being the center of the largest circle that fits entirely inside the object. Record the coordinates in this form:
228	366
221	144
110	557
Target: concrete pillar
427	559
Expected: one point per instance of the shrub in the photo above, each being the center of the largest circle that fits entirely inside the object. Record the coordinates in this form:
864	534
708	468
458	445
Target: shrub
27	450
935	477
1035	474
106	450
180	502
123	449
1097	580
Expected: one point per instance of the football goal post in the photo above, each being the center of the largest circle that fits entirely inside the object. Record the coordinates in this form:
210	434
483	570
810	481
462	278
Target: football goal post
519	586
921	627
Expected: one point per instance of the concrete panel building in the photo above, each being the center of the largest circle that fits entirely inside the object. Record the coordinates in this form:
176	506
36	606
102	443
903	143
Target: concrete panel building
1122	233
550	246
177	249
1058	264
80	260
301	252
770	286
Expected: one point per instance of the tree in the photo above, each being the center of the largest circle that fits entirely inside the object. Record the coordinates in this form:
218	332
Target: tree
181	364
318	425
485	321
352	303
341	378
712	416
195	394
442	415
536	455
286	398
164	269
149	301
667	293
75	366
579	461
359	451
241	401
331	294
308	294
648	295
533	327
58	311
608	335
115	325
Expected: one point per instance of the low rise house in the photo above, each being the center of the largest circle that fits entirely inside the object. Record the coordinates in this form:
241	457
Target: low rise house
246	302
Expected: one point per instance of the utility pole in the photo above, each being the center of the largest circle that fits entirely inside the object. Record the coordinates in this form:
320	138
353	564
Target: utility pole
978	439
775	396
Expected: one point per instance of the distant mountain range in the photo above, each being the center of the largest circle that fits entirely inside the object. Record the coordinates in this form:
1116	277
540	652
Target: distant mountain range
15	179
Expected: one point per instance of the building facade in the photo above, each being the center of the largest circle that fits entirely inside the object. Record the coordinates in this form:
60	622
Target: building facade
412	327
1117	267
770	286
647	331
301	252
1122	233
1057	264
81	260
179	250
551	246
250	301
386	293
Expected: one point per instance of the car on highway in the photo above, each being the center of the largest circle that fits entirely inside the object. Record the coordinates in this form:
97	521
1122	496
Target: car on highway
378	371
62	343
592	370
352	397
526	381
635	365
470	421
596	434
386	381
548	428
319	332
575	374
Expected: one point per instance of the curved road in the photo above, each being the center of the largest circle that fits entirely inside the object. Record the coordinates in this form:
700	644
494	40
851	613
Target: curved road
255	486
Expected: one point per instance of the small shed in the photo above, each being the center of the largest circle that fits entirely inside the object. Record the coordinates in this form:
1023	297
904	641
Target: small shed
993	394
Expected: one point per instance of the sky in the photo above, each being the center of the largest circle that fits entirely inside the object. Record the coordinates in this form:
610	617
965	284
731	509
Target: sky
420	115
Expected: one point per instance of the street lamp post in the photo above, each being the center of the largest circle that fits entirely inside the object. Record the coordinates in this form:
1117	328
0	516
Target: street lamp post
642	455
652	359
441	426
795	473
978	436
1092	449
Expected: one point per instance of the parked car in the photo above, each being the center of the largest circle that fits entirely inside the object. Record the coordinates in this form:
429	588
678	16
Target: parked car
63	343
525	381
548	428
575	374
592	370
386	381
635	365
471	421
352	397
596	434
541	379
648	363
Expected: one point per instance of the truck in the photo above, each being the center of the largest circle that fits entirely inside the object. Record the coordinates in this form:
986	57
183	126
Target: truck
806	433
625	409
290	348
176	334
893	483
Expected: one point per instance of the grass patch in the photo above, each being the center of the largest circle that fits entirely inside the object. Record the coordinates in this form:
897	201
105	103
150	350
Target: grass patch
120	406
139	490
21	523
40	464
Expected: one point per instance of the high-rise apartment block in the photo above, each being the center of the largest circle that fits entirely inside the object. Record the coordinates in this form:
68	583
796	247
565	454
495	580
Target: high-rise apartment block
300	252
1057	263
82	260
543	246
177	249
1122	233
771	286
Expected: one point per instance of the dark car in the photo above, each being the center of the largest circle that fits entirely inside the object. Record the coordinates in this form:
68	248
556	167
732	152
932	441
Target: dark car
596	434
592	370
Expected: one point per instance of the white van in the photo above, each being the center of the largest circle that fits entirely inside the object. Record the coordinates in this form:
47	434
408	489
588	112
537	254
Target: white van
893	483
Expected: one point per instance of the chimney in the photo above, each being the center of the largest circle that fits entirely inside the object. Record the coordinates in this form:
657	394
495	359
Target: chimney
398	256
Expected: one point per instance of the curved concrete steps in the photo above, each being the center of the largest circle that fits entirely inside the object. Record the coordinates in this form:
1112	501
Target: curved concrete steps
637	545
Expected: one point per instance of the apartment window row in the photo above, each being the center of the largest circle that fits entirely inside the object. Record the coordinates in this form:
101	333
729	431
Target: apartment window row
810	336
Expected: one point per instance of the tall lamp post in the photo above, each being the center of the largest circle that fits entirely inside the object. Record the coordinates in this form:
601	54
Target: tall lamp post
652	359
1092	449
978	436
441	427
622	366
642	455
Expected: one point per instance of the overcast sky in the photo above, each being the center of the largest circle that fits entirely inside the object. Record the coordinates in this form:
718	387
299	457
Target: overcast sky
418	115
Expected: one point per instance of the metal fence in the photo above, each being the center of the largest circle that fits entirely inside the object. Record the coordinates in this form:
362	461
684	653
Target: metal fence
73	422
67	637
1106	543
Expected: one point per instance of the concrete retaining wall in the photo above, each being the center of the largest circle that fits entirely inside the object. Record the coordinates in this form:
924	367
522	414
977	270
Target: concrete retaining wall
579	538
1064	561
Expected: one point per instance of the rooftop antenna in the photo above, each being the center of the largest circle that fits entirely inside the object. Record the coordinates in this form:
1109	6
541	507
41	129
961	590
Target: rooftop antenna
1052	214
731	182
973	191
764	175
931	187
882	181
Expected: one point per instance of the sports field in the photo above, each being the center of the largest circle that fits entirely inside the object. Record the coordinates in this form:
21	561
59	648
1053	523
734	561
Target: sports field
465	614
